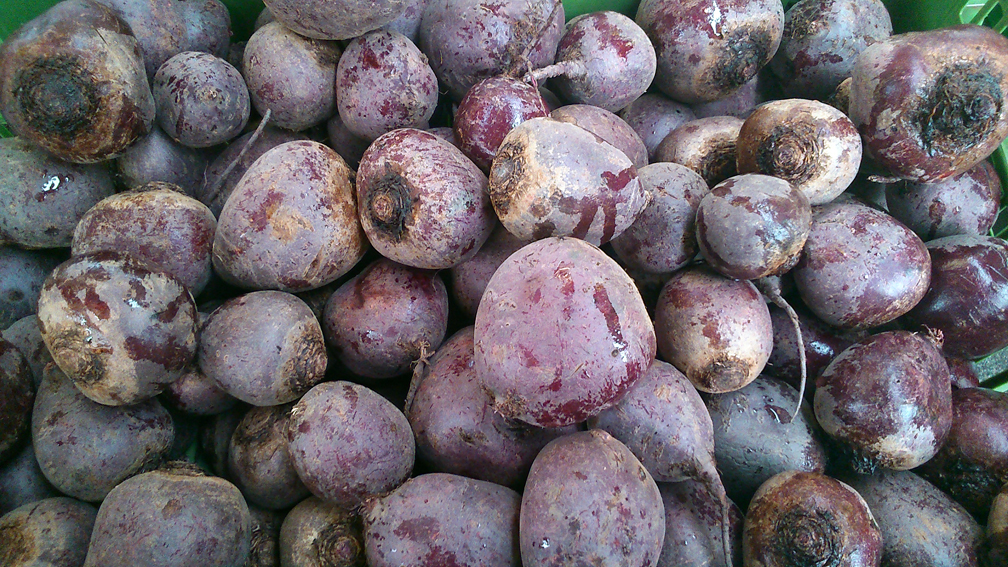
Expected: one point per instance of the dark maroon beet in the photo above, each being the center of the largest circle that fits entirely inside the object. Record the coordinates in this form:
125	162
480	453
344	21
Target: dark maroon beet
663	238
469	279
968	297
264	545
22	276
386	318
653	116
963	204
53	532
456	428
860	267
963	374
822	343
17	395
996	545
798	519
215	437
919	524
489	110
887	401
972	465
258	460
607	126
693	527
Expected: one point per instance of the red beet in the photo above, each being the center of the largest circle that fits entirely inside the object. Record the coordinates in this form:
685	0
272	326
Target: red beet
489	110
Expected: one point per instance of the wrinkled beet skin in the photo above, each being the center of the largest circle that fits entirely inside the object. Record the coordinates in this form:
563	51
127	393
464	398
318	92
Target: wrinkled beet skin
860	267
663	238
753	439
318	534
887	400
291	222
894	97
162	227
804	518
44	197
607	126
17	395
258	460
822	343
707	50
84	448
385	318
291	76
920	525
55	531
489	110
551	178
588	500
348	443
715	330
964	204
22	481
156	157
340	19
561	333
693	527
468	280
265	348
173	517
617	56
752	225
972	465
822	39
202	100
83	61
653	116
456	428
443	519
383	82
467	41
968	297
422	202
122	331
708	146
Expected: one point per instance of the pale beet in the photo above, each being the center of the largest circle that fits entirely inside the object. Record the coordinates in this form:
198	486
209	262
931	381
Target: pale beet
318	534
693	527
258	460
607	126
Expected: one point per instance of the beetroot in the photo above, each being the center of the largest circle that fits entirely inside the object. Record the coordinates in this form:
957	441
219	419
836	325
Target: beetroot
22	481
607	126
469	279
385	318
561	333
55	531
489	110
693	527
653	116
821	342
22	275
258	460
27	337
318	534
422	202
340	19
588	499
443	519
705	145
963	204
996	544
156	157
887	401
17	395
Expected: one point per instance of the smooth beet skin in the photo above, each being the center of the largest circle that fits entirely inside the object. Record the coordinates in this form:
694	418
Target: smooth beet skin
561	333
489	110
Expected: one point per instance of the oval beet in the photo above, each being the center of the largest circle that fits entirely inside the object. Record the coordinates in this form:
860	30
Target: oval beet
607	126
860	267
156	157
265	348
489	110
886	400
385	318
968	297
561	333
120	329
422	202
73	82
806	518
693	527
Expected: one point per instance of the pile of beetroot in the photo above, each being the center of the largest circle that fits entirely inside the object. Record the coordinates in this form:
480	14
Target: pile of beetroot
456	283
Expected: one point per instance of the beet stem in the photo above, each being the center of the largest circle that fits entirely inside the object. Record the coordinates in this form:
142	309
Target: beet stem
419	369
568	68
212	194
771	289
712	482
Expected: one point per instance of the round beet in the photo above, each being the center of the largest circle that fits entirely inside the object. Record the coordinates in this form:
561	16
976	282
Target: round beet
17	395
860	267
55	532
963	204
201	99
751	226
932	104
996	545
708	49
489	110
334	19
443	518
806	518
22	481
653	116
456	428
290	76
44	197
886	401
264	545
383	82
715	330
663	238
348	443
318	534
761	88
810	144
73	82
176	516
385	318
84	448
265	348
291	222
561	333
607	126
469	40
968	297
705	145
422	202
469	279
588	499
120	329
156	157
551	178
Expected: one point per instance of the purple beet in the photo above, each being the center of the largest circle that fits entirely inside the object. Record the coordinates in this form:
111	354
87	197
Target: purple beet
319	534
54	531
708	146
607	126
822	343
489	110
258	460
964	204
469	279
17	395
22	481
156	157
693	527
653	116
27	337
